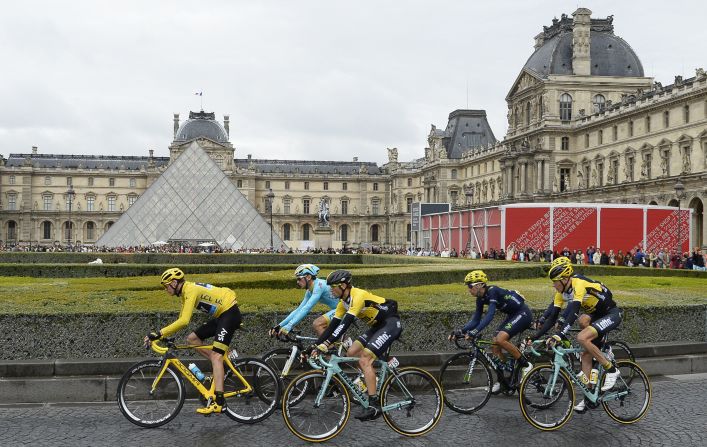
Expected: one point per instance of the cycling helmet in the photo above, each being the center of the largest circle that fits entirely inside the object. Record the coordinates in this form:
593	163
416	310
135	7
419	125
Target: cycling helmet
560	268
338	277
306	269
171	274
475	276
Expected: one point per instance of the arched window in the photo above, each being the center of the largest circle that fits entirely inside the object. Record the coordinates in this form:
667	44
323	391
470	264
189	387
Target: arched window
68	233
344	233
46	230
565	107
305	232
11	230
374	233
599	103
108	225
287	232
90	231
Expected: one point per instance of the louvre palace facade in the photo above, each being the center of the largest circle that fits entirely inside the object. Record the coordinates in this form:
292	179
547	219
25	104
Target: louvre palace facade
584	125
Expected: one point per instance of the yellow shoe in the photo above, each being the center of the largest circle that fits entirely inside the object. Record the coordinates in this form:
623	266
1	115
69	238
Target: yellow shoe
211	408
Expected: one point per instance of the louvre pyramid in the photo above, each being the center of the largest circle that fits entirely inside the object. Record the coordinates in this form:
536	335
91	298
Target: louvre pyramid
194	201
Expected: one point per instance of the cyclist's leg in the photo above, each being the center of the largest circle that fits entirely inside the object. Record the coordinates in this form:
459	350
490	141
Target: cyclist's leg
380	337
322	322
584	320
599	327
514	325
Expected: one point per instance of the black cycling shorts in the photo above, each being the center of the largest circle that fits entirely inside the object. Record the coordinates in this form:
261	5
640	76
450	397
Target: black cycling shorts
379	337
606	322
516	323
221	328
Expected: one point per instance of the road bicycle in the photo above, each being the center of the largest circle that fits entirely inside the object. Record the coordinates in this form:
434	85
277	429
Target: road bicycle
152	392
317	403
547	394
467	377
613	349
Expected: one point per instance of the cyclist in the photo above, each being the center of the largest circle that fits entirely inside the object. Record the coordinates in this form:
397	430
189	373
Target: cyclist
602	316
509	302
379	313
317	291
218	302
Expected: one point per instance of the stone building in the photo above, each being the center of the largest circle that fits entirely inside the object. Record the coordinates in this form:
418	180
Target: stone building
584	125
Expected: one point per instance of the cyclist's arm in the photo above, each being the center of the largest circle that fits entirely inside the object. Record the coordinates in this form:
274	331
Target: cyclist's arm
184	317
298	314
335	321
487	318
340	328
471	324
570	314
550	316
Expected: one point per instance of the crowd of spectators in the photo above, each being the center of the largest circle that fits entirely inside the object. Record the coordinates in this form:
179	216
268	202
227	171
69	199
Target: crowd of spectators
635	257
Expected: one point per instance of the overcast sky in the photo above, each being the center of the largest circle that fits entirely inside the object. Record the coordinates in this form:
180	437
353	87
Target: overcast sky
325	80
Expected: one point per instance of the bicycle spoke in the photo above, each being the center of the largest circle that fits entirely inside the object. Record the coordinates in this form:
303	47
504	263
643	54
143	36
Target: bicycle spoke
412	401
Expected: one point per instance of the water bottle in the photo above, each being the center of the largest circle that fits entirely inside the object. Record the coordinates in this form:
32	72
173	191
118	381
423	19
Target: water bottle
360	383
594	376
583	378
197	372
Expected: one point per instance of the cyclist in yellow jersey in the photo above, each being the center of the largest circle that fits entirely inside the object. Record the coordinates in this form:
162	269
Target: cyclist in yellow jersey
218	302
379	313
602	316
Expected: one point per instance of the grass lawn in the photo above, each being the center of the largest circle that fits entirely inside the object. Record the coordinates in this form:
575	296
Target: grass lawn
20	295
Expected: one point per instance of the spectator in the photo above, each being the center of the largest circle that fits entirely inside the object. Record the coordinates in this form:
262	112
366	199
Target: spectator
652	260
590	254
604	260
698	261
596	257
620	258
612	257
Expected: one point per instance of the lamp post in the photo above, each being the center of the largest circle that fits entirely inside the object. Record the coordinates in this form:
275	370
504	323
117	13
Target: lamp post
70	196
680	194
269	197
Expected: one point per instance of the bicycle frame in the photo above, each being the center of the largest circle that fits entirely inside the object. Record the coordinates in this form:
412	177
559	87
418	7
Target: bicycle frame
168	358
331	368
559	363
298	348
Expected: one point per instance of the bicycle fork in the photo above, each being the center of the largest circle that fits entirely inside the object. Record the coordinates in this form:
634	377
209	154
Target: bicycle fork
289	362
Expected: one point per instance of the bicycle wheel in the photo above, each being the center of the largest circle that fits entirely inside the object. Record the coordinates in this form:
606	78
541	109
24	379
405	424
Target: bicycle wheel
629	399
417	400
140	404
257	404
308	420
466	381
546	401
621	351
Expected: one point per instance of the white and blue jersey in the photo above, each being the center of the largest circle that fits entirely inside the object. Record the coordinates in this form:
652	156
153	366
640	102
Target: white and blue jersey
320	293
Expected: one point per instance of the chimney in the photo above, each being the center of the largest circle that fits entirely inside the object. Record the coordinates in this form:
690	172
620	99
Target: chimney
152	153
355	158
226	122
539	40
34	150
249	156
581	38
176	124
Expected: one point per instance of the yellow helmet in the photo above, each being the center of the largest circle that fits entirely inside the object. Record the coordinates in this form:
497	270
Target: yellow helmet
475	276
560	268
171	274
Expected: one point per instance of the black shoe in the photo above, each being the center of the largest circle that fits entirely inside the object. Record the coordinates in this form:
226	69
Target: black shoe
372	412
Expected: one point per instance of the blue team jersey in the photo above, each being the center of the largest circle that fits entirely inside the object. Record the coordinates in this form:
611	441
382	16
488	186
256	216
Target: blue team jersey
320	293
496	298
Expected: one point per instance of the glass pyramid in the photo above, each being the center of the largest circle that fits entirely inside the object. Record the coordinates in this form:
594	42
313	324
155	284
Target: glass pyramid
192	201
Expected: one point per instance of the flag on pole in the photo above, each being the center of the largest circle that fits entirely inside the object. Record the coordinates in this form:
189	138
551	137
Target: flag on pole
198	93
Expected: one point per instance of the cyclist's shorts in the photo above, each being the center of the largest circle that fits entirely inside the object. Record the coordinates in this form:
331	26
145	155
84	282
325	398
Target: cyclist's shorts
329	315
607	322
379	337
221	328
516	323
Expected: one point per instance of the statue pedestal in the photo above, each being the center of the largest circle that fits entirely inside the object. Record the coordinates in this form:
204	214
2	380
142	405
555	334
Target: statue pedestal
323	237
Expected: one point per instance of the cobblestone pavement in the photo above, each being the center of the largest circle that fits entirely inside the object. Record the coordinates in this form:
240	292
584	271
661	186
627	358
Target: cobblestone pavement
677	418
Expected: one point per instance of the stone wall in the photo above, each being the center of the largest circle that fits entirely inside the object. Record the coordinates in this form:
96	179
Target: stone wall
116	335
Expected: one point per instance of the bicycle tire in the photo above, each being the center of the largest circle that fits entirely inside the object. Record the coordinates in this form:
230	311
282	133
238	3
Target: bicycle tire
621	351
625	389
258	404
546	412
461	393
422	388
331	415
143	407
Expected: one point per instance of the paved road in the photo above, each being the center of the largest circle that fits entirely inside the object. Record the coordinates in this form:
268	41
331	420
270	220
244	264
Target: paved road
677	418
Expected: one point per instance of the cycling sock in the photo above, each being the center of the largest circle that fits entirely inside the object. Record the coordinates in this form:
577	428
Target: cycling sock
608	366
220	400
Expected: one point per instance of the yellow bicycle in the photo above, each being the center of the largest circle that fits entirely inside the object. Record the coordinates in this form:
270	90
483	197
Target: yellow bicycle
152	392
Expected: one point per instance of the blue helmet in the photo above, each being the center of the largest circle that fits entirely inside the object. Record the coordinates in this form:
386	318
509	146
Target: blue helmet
306	269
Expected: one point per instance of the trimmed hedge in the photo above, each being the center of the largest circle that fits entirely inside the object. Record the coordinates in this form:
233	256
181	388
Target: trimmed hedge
176	258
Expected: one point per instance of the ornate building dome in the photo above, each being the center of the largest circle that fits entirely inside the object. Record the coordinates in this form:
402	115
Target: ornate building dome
202	124
610	55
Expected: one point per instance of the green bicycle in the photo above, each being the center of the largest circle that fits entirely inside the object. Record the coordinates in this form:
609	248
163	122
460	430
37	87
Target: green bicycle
316	404
547	393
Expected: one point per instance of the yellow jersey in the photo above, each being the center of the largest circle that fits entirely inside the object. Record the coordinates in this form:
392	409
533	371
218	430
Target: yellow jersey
204	297
366	306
